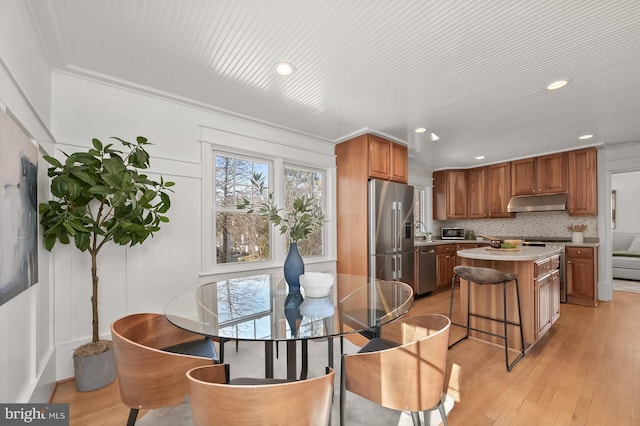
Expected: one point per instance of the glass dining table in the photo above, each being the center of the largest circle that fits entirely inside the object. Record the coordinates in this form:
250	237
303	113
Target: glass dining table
259	307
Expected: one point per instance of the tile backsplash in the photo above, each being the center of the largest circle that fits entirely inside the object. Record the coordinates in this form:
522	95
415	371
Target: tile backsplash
531	224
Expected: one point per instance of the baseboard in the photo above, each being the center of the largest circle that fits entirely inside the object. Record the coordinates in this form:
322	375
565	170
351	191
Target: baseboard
43	387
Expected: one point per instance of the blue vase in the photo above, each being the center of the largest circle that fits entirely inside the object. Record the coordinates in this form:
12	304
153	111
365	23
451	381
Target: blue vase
293	268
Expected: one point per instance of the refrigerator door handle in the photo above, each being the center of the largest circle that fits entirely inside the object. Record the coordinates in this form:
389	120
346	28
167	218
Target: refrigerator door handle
394	225
399	267
399	225
393	267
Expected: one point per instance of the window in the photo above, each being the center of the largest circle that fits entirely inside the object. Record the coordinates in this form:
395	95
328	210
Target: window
243	237
422	209
240	237
300	181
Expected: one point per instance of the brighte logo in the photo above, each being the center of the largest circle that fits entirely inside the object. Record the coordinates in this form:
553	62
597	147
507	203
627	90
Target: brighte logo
27	415
38	414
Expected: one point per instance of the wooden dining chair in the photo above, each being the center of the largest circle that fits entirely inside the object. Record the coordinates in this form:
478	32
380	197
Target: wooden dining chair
243	403
152	356
403	369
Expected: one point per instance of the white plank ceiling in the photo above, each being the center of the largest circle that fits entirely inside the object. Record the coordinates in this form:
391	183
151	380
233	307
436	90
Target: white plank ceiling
473	72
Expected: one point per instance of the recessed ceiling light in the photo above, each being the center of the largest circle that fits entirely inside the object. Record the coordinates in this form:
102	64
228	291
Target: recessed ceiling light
481	157
420	130
434	137
557	84
285	68
583	137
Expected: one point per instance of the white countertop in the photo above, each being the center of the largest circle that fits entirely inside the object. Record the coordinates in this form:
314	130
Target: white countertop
418	242
526	254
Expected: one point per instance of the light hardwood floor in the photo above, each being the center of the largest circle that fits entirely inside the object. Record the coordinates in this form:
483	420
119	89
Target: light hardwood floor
585	371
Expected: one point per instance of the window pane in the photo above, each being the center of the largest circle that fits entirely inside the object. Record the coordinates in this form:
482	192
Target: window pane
240	237
299	182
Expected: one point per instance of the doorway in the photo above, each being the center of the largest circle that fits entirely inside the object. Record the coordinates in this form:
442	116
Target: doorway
625	205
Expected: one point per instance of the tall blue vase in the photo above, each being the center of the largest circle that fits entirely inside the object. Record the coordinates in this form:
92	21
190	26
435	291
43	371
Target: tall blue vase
293	268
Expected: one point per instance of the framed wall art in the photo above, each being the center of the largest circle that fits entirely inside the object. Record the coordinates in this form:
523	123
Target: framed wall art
18	209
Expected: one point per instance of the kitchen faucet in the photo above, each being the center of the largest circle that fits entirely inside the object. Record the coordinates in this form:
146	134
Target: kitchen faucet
421	225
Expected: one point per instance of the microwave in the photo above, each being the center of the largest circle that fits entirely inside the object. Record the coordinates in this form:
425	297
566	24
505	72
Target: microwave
452	233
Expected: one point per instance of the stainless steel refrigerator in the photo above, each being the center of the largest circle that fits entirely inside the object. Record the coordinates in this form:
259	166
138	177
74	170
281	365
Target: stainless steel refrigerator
391	229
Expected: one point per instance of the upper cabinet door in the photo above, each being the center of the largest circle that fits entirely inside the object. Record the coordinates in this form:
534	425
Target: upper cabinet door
582	182
457	194
388	160
476	191
449	194
551	173
379	157
399	163
498	190
523	180
539	175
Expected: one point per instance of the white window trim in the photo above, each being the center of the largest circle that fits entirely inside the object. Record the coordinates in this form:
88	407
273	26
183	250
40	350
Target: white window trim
252	147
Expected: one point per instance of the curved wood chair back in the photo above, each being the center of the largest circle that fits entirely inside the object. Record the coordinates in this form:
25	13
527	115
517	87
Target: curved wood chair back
147	376
409	377
304	402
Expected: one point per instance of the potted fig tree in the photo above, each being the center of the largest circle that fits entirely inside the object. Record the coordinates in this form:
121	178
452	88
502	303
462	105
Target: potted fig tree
102	196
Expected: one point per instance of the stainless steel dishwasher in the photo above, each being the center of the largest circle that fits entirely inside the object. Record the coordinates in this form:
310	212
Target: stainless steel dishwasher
426	279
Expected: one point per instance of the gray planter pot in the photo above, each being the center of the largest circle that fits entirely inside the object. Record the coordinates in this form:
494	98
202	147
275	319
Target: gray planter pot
94	371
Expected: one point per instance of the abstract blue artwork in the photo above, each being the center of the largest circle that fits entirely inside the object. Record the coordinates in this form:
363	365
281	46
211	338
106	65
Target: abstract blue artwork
18	210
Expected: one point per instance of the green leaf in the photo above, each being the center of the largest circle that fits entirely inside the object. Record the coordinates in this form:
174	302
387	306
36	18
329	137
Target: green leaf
97	144
49	242
82	158
52	161
99	189
83	176
82	241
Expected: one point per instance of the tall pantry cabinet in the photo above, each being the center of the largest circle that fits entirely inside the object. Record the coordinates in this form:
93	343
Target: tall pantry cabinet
357	160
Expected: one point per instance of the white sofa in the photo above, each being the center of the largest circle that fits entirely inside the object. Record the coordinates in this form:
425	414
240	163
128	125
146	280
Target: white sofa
626	264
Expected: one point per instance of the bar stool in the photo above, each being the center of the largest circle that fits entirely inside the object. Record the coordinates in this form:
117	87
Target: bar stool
488	276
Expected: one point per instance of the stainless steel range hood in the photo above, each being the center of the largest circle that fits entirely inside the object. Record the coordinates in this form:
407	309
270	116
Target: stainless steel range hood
537	203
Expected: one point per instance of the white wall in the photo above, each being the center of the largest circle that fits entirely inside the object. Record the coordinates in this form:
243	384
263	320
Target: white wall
145	278
627	187
27	356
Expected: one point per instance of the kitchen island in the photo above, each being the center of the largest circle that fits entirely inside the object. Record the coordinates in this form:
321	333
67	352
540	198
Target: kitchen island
539	285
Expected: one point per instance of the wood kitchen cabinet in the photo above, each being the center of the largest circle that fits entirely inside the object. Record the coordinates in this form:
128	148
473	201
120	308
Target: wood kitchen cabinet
489	191
450	194
445	262
477	193
357	160
547	294
387	160
539	175
498	191
582	168
582	275
555	296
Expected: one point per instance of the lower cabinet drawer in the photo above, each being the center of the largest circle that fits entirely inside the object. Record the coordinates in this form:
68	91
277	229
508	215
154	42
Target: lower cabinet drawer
579	252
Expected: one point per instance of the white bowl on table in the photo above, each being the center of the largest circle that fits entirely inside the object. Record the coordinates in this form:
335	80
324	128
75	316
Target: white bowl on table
316	284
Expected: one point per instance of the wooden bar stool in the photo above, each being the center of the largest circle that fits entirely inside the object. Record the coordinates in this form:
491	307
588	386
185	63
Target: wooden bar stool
488	276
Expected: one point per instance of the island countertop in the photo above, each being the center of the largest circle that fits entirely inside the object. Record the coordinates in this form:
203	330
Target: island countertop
524	254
